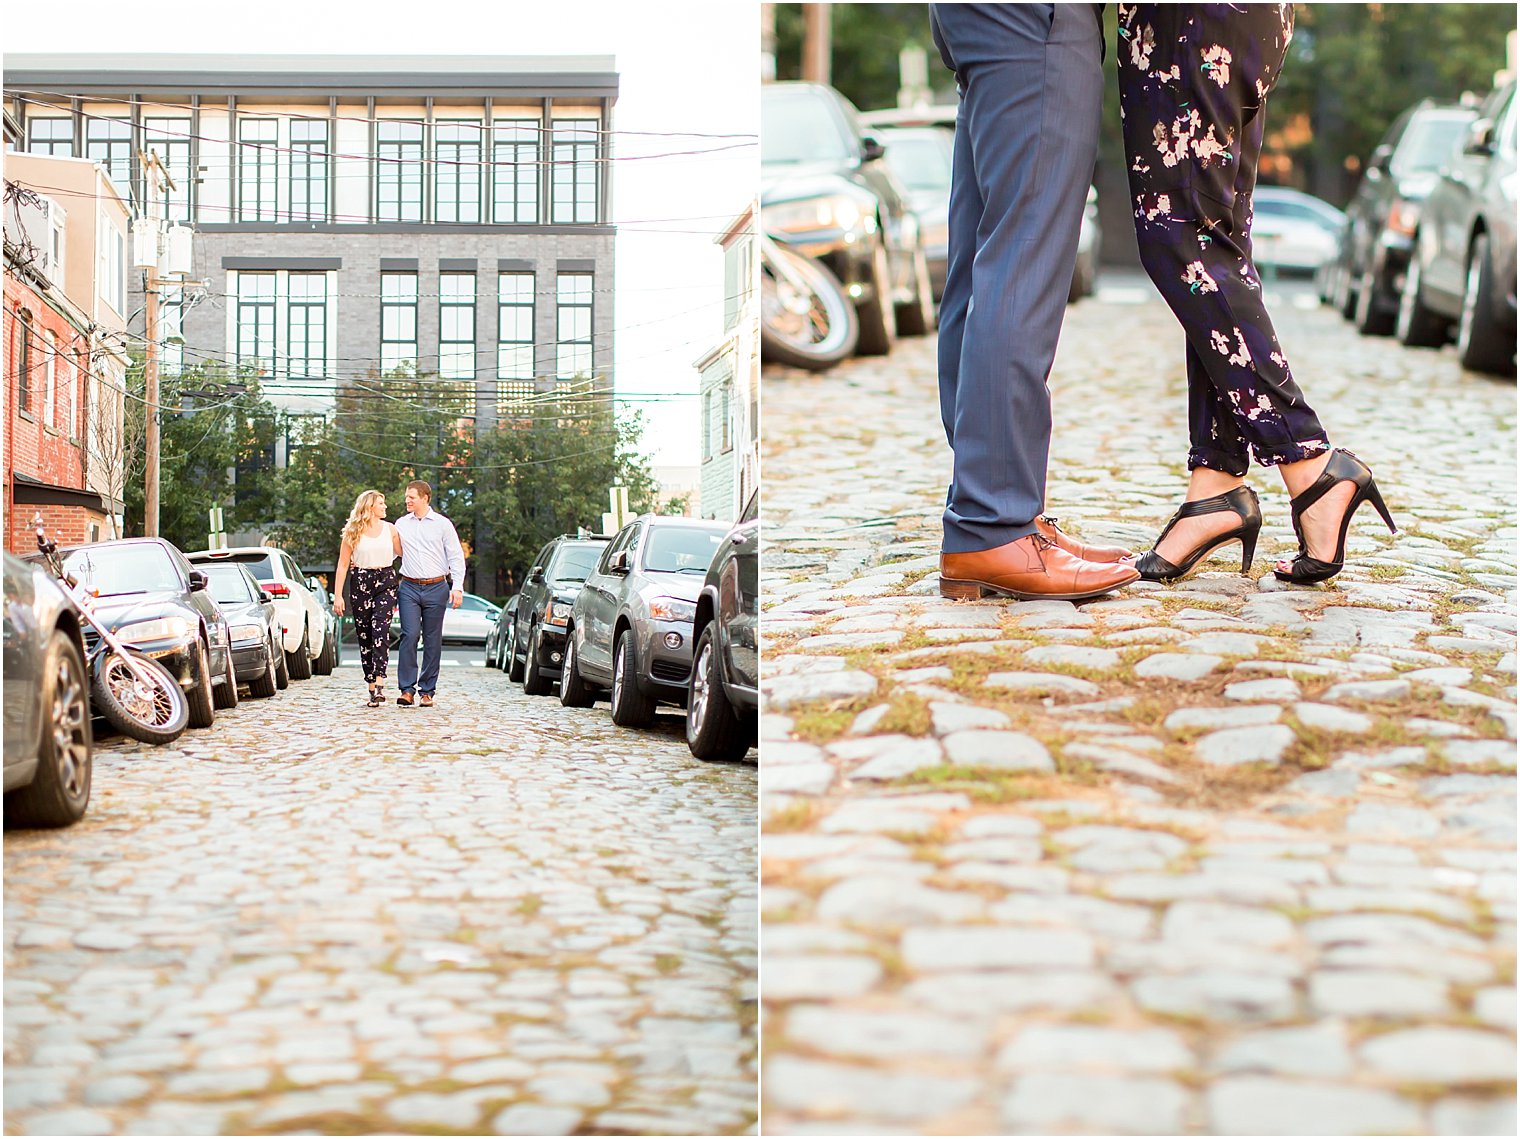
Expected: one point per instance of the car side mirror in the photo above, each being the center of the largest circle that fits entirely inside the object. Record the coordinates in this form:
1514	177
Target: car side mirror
536	574
313	584
1480	138
619	562
265	597
198	581
1381	160
871	150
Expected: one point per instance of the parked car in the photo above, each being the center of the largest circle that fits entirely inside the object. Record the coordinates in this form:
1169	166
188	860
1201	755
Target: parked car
826	192
1385	212
536	654
1293	232
920	157
258	660
630	627
300	612
1462	273
157	602
496	640
472	622
49	745
723	704
331	655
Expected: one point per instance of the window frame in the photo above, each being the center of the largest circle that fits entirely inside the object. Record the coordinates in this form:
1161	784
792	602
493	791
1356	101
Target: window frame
51	143
308	161
446	304
457	172
562	343
405	304
402	157
518	174
579	155
511	385
265	156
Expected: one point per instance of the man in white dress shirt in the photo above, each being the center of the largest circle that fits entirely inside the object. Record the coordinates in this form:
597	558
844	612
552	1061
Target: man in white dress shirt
432	576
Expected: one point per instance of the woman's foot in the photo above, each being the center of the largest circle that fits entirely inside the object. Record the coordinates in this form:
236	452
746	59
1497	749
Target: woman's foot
1320	525
1188	534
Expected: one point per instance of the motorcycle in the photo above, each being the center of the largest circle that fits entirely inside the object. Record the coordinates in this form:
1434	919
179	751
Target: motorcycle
806	320
135	695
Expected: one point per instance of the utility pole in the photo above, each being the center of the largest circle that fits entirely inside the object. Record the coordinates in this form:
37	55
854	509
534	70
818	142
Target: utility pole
817	48
154	171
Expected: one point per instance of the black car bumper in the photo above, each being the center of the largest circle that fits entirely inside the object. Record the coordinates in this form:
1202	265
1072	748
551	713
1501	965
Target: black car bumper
551	650
250	660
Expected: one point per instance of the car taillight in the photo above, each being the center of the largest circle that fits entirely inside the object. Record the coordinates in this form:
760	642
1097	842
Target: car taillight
277	588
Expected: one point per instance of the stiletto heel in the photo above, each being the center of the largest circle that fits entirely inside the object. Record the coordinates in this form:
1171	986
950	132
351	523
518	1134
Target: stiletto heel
1242	500
1342	467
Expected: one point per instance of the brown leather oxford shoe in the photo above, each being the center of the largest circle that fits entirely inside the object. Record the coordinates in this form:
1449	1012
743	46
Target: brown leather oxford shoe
1029	568
1048	527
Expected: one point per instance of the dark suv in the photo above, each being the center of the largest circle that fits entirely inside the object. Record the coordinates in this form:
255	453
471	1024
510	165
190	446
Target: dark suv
536	640
723	696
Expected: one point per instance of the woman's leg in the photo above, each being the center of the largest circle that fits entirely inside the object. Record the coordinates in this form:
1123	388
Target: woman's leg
364	604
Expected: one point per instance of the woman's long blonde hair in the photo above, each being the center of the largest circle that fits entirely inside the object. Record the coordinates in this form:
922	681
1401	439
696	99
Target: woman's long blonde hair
359	517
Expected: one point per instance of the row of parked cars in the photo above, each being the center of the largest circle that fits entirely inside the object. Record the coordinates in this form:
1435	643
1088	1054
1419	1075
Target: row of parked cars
663	612
215	619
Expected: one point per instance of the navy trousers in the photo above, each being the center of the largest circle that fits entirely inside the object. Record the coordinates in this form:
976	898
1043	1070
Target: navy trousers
422	608
1026	140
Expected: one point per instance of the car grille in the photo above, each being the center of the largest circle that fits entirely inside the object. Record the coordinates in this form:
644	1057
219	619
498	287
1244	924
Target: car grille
669	670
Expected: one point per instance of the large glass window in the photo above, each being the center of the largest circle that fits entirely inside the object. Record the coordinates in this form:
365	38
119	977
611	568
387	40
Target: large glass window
257	165
398	321
307	329
456	150
255	321
456	326
514	346
50	136
109	142
575	170
514	158
50	380
170	139
308	169
24	362
573	355
398	161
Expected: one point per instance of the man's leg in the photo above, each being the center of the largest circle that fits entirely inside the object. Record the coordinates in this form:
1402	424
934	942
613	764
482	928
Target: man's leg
407	600
435	600
1033	84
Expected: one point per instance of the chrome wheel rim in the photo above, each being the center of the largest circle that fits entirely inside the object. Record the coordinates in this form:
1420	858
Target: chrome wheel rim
701	688
1470	298
1408	297
569	667
70	721
617	676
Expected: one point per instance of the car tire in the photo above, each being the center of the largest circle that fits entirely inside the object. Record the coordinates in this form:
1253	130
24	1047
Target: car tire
1418	326
59	792
878	316
916	318
534	682
267	683
1480	346
514	667
1372	317
281	664
1084	279
713	728
631	708
323	665
198	695
574	692
299	662
225	694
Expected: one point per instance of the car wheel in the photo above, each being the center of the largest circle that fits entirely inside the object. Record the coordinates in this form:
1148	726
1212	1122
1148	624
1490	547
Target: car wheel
263	686
1083	278
60	790
878	316
1480	347
299	662
514	668
198	695
1372	317
630	707
713	730
1345	295
916	318
574	692
281	663
534	682
225	694
323	665
1417	326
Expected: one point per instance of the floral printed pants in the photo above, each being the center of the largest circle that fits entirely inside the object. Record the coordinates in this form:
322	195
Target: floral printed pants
1193	86
373	592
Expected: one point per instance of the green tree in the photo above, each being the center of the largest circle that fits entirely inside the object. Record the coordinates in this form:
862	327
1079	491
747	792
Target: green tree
866	39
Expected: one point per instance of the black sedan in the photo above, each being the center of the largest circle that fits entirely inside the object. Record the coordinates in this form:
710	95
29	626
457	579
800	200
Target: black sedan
48	742
826	193
497	638
537	654
1462	275
723	699
254	628
156	603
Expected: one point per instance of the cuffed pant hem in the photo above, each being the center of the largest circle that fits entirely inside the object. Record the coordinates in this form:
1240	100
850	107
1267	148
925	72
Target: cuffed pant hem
1291	452
1216	460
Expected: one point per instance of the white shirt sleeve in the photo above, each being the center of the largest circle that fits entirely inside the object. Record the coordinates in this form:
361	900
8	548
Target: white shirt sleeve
455	553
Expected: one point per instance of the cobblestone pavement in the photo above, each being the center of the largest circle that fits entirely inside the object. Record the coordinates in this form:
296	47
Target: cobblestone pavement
495	916
1218	857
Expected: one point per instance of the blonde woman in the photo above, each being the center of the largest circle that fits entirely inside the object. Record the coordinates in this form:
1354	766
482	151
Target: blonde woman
372	545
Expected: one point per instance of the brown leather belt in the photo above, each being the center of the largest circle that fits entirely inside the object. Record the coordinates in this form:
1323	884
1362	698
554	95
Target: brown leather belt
425	580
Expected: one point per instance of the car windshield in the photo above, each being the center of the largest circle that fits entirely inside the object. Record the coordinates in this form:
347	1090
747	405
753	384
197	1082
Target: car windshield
797	125
112	570
921	161
1426	143
680	549
227	584
573	563
260	565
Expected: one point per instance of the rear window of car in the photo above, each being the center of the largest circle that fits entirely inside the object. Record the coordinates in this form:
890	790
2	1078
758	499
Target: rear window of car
680	549
227	583
258	564
572	562
118	569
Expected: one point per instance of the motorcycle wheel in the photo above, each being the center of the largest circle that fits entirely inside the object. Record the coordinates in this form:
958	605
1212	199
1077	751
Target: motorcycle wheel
155	714
812	330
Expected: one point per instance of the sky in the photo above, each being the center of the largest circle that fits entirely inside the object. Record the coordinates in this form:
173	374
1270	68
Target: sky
684	66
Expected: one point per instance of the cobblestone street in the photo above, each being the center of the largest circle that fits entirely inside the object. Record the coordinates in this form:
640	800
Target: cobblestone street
499	915
1222	857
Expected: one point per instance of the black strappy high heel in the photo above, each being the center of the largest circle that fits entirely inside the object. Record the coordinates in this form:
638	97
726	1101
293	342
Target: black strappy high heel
1242	500
1342	467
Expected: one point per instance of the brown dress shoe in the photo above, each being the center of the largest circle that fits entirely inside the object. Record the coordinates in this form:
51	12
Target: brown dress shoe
1029	568
1048	527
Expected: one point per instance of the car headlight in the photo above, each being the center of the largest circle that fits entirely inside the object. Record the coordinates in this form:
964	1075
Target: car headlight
1403	217
558	613
247	632
835	212
163	629
672	609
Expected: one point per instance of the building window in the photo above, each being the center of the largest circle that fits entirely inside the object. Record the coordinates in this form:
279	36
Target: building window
456	326
109	142
514	344
575	170
398	157
81	420
456	151
255	321
573	327
258	160
725	424
398	321
24	363
306	338
514	158
170	138
112	265
50	381
51	136
308	170
707	417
